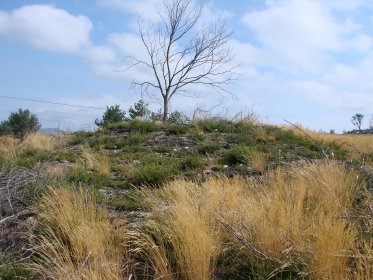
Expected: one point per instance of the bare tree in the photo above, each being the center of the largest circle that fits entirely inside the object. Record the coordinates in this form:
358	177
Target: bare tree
181	52
357	120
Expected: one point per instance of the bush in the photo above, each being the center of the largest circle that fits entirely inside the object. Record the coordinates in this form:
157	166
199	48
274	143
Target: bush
135	125
152	173
191	162
236	155
213	125
79	137
178	129
113	114
139	110
19	124
208	148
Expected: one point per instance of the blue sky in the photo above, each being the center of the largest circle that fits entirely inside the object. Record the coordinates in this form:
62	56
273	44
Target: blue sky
306	61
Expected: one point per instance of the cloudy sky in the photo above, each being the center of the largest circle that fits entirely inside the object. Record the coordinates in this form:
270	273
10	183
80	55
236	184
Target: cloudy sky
305	61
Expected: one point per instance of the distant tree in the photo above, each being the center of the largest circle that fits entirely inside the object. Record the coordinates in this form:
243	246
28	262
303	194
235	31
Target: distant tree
19	124
139	110
113	114
357	120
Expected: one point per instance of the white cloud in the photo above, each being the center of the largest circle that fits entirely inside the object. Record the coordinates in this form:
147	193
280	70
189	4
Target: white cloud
295	32
46	27
145	8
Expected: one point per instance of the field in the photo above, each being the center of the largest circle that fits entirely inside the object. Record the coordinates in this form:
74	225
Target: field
212	199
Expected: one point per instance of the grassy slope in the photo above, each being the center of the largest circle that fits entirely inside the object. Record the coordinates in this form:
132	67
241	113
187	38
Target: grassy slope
125	156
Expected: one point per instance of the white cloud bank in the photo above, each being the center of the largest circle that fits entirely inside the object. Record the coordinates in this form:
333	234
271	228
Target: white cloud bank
46	27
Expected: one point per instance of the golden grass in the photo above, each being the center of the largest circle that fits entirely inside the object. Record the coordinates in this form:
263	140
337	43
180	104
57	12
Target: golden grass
95	161
258	161
11	148
353	143
77	239
291	220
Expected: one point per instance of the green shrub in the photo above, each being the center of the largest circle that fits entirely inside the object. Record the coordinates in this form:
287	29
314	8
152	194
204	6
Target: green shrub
208	148
152	173
236	155
90	178
79	138
135	125
191	162
135	139
11	269
20	123
139	110
113	114
29	157
177	129
212	125
241	139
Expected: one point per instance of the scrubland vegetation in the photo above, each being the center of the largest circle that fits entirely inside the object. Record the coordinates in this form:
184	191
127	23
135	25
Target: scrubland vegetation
211	199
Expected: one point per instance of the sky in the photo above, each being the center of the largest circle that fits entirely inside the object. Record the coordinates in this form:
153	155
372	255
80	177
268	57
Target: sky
304	61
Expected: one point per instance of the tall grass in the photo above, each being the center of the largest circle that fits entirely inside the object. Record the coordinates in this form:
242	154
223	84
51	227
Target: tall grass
77	239
288	221
11	148
353	143
95	161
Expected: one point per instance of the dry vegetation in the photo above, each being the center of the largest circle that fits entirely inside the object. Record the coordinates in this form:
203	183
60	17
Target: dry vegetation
293	221
289	221
357	145
77	239
279	219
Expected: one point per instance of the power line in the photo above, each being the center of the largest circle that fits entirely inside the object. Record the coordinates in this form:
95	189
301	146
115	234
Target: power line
54	103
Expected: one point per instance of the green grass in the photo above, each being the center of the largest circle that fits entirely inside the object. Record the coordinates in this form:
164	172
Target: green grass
79	138
30	157
10	269
191	162
212	125
236	155
177	129
133	201
135	125
152	173
208	148
89	178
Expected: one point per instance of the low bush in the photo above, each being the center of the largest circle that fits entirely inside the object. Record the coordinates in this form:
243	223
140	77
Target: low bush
212	125
208	148
79	138
236	155
151	174
177	129
191	162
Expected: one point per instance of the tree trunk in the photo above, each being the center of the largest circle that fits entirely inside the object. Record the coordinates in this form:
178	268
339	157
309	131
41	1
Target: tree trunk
165	109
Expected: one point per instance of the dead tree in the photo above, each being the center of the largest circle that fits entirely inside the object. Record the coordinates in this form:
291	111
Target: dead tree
182	51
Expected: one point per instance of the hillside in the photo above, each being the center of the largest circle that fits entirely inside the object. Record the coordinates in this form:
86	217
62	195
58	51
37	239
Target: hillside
211	199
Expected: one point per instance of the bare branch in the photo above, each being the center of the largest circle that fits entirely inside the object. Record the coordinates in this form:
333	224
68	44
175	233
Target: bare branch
181	52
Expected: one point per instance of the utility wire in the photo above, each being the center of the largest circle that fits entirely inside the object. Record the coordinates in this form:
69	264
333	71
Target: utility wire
54	103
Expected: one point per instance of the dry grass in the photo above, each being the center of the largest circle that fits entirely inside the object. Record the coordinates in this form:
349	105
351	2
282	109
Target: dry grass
258	161
95	161
353	143
11	148
77	239
288	221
